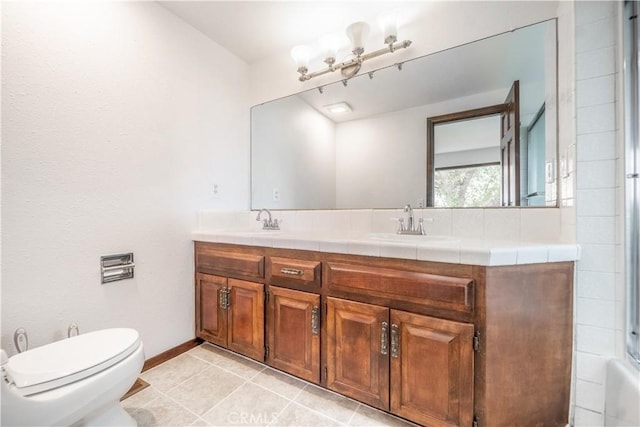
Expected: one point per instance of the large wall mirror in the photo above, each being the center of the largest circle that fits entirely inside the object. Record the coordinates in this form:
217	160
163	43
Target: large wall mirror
417	133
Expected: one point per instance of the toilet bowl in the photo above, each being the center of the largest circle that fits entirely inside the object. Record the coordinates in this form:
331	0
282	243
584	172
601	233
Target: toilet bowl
76	381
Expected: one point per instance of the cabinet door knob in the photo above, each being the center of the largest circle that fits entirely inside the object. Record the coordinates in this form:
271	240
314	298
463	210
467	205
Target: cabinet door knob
395	341
384	338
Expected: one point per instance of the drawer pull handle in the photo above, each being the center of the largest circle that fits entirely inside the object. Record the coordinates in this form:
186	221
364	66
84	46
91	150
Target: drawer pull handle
384	339
394	341
315	320
291	271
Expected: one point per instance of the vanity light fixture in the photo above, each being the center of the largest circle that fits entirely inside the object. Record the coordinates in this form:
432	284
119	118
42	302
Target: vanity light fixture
339	108
357	33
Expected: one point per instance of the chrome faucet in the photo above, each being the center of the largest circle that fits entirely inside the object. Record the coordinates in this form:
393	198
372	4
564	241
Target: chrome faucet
410	228
268	224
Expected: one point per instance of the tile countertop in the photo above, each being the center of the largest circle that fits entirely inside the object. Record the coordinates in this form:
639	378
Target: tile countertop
424	248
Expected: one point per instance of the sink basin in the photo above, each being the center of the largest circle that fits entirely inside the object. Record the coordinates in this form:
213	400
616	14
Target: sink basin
417	238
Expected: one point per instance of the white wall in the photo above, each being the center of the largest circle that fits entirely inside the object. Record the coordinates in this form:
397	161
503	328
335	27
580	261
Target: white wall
116	117
299	160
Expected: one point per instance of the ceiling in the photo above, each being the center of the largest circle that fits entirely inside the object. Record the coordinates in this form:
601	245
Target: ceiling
254	30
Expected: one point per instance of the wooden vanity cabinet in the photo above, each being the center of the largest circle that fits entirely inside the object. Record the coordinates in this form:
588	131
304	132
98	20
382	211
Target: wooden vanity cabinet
230	299
438	344
293	330
230	313
431	369
418	367
358	351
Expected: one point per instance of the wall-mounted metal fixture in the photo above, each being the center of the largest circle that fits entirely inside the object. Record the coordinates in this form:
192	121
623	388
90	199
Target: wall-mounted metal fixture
357	33
116	267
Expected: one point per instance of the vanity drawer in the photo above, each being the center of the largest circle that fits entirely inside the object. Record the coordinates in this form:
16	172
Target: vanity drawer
291	271
232	264
429	290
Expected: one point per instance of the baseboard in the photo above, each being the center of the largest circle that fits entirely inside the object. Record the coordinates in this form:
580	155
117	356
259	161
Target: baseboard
170	354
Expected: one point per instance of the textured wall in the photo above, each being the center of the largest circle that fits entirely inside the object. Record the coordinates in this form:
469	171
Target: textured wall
116	117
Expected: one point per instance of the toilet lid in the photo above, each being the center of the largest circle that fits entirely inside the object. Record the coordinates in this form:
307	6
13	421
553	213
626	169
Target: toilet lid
68	360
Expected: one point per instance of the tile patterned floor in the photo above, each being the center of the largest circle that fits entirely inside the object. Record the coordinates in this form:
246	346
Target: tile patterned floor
208	386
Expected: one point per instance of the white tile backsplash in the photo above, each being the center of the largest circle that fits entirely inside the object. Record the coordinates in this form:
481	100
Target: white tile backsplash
594	91
591	367
596	35
596	118
595	63
595	312
595	202
594	12
597	174
596	146
587	418
441	220
596	229
467	223
599	258
590	395
513	224
502	223
597	285
595	340
540	225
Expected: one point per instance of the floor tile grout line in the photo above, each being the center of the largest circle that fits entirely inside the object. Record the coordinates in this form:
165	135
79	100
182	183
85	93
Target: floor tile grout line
225	398
185	380
333	393
355	411
177	403
281	412
320	413
278	394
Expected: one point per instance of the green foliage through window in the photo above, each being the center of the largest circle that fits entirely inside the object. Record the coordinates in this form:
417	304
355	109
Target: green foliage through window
476	186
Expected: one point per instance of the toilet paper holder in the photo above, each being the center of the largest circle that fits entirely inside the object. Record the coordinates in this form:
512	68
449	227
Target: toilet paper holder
116	267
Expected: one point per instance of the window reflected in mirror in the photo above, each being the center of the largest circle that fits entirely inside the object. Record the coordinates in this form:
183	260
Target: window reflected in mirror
474	186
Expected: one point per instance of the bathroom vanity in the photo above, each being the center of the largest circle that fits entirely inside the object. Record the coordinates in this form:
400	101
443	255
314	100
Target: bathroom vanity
437	343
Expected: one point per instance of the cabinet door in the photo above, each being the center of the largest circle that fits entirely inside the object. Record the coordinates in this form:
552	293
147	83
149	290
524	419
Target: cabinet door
246	318
357	351
211	319
293	325
431	370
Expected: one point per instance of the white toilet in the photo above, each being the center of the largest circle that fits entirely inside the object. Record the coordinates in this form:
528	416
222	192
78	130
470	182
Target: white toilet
76	381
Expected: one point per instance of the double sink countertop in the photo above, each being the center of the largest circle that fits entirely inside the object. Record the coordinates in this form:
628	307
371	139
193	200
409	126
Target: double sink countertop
435	248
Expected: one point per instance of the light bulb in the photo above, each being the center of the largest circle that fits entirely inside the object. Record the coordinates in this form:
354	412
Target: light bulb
389	26
358	33
301	55
330	45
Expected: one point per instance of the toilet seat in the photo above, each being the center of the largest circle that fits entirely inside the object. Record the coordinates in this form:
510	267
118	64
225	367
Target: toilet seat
63	362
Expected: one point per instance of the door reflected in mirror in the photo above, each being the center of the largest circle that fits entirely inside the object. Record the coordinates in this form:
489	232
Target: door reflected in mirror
467	163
